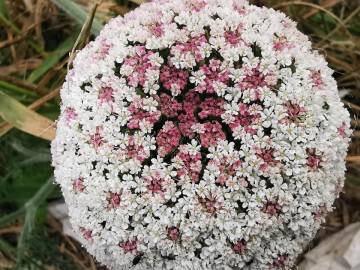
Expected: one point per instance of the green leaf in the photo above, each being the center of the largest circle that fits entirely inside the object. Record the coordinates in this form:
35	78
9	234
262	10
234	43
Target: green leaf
78	13
24	182
25	167
52	59
35	202
25	119
42	194
5	86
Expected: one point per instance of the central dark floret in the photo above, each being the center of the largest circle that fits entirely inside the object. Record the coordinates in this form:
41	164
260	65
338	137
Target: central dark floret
188	107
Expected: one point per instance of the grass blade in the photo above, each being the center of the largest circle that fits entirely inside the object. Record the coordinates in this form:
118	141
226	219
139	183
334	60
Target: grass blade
4	18
16	89
325	4
5	127
41	195
28	227
25	119
76	12
30	209
84	34
23	84
7	249
51	60
3	10
11	217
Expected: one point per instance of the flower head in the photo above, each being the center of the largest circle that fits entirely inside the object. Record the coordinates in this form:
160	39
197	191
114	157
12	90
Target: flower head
200	134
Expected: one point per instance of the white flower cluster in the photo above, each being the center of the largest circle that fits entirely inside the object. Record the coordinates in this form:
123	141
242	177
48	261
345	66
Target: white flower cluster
200	134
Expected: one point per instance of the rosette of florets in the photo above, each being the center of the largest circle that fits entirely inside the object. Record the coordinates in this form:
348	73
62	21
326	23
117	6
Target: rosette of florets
200	135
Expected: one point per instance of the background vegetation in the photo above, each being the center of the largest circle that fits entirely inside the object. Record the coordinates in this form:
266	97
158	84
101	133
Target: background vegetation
36	40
